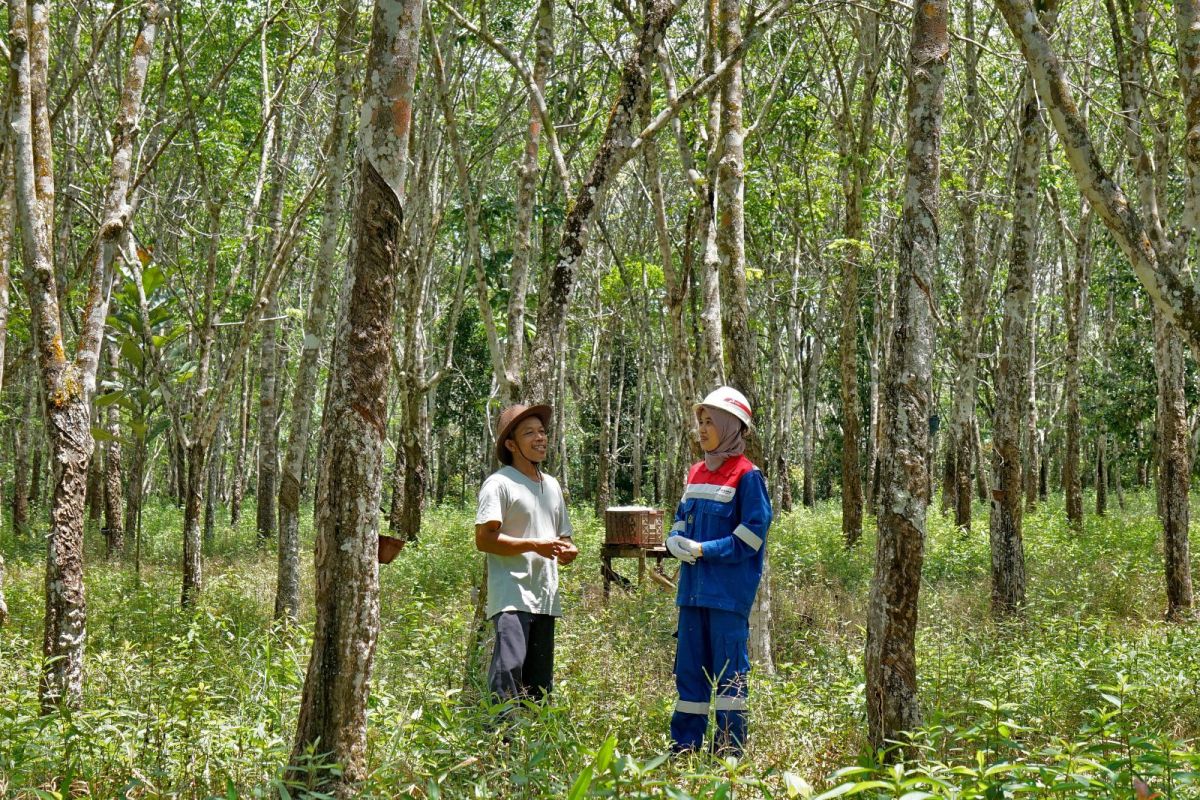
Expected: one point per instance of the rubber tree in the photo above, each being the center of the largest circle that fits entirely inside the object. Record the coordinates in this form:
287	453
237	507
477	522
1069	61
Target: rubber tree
333	705
890	659
67	384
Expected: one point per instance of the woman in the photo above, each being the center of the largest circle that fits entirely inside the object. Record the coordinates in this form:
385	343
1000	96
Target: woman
719	535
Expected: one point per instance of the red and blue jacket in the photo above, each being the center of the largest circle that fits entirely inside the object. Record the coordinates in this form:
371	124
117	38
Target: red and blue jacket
728	511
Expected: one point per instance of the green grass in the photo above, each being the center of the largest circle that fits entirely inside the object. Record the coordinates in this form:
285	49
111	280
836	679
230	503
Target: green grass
1089	691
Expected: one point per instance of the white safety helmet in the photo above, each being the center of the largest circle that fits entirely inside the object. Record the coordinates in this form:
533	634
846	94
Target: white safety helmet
730	400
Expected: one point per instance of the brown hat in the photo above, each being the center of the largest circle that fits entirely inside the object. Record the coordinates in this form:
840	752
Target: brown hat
509	418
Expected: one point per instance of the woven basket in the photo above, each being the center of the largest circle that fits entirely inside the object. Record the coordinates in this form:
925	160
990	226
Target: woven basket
636	526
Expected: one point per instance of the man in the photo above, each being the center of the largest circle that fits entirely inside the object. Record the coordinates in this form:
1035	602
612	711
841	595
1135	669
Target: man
523	527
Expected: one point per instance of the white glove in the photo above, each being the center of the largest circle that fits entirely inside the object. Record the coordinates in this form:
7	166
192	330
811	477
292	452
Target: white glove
684	549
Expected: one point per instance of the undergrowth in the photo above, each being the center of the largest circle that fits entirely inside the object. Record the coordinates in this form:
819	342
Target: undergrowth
1089	694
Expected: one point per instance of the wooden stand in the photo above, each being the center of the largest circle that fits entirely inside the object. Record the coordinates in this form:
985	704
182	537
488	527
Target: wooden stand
610	551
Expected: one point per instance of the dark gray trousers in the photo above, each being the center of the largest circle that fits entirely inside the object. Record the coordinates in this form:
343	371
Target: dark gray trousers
523	661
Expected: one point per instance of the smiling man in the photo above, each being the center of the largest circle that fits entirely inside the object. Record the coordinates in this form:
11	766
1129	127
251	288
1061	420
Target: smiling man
522	525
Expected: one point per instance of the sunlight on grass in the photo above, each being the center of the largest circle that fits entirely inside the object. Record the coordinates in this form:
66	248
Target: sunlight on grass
1089	691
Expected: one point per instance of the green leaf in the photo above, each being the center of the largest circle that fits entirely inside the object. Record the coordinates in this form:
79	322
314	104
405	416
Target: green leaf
152	280
581	785
604	757
108	398
848	789
797	786
131	352
101	435
157	428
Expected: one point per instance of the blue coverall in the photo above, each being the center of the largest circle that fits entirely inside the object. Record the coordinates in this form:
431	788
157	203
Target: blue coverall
728	512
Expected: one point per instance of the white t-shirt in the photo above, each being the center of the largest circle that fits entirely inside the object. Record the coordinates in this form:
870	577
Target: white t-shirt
525	509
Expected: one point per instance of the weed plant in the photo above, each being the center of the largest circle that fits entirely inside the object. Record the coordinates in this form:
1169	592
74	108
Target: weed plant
1088	694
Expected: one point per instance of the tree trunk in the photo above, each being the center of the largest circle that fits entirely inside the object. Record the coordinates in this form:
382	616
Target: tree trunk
1171	291
1075	286
238	492
95	483
527	179
193	579
67	386
613	151
268	433
114	532
396	511
7	223
333	705
287	596
974	291
604	439
814	355
1174	467
982	491
1033	451
678	413
35	469
1101	472
211	487
133	488
890	659
20	491
1012	374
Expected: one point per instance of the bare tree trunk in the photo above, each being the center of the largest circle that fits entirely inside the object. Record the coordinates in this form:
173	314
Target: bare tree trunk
1140	241
1033	452
982	490
1075	285
114	532
1101	472
640	404
134	498
527	178
266	488
396	511
333	705
1012	374
1174	468
268	432
710	366
814	355
7	224
949	474
94	495
604	399
741	347
238	492
196	461
879	333
287	596
67	386
21	444
35	469
890	660
613	151
678	413
212	486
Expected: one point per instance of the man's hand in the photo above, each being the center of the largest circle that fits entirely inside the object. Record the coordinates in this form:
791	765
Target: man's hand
546	548
567	551
684	549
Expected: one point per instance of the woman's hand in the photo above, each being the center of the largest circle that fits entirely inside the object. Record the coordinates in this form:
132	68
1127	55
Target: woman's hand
684	549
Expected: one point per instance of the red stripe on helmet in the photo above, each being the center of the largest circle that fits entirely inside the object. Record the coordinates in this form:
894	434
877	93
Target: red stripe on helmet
739	404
